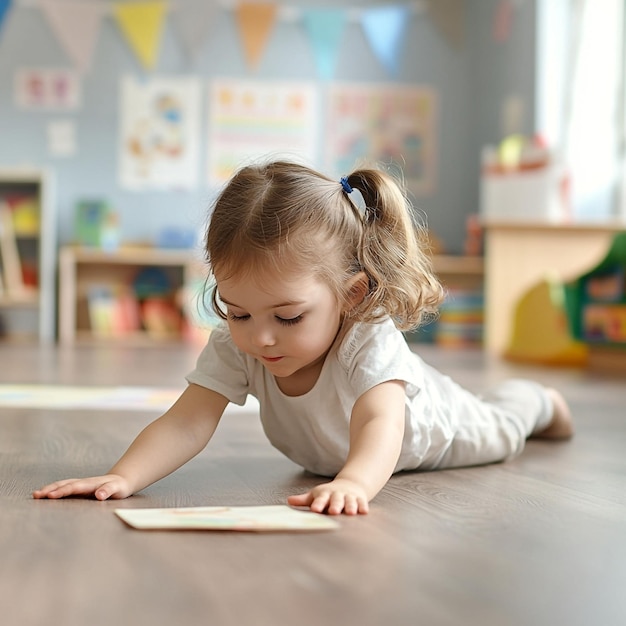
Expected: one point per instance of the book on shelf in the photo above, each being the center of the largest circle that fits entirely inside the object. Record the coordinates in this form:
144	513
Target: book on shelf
25	211
116	311
112	312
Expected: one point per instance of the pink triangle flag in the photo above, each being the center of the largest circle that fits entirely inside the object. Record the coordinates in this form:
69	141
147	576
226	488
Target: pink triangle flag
384	28
76	25
325	28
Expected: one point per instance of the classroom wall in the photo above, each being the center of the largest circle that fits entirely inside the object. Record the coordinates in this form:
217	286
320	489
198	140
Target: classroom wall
472	82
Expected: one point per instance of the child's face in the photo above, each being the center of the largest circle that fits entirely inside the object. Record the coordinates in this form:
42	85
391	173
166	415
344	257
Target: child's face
286	323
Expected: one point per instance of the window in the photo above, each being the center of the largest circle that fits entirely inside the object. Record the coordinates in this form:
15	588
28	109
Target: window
580	99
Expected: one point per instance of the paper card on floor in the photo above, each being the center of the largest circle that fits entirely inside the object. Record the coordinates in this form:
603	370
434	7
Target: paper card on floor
238	518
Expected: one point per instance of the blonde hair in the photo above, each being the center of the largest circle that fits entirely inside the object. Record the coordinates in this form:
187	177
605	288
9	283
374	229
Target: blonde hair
282	216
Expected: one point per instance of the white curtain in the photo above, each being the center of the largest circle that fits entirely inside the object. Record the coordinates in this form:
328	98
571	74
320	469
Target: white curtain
593	135
580	98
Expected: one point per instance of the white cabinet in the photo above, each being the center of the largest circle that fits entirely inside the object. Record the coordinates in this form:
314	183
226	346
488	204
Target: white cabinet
28	252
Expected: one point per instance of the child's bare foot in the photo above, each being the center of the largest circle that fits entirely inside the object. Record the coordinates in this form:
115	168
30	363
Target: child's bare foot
561	426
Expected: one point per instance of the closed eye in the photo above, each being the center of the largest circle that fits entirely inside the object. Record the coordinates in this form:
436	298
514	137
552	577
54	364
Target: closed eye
237	318
289	321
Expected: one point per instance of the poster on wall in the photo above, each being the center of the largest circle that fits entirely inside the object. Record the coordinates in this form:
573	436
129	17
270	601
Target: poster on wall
61	135
391	126
159	143
47	89
253	119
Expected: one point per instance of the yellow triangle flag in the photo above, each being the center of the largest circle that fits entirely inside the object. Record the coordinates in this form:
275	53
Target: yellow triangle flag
255	23
142	24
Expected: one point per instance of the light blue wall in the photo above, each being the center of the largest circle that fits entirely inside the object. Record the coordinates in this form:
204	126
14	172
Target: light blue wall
471	82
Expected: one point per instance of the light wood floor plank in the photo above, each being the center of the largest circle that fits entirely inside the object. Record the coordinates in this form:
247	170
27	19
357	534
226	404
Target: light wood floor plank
535	542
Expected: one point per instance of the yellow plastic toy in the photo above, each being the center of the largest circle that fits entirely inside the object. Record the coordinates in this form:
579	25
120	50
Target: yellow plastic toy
541	331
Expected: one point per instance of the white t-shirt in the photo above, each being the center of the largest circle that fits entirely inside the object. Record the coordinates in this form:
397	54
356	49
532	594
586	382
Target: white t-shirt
313	429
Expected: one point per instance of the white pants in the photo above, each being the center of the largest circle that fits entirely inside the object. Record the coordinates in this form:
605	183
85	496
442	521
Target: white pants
500	422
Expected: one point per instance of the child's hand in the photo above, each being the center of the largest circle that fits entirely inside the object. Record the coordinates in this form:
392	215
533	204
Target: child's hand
102	487
336	497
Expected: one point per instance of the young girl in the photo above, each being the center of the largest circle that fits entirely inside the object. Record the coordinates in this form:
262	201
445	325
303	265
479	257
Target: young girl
315	291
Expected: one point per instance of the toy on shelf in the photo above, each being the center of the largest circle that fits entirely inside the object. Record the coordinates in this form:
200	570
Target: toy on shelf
597	300
541	332
26	214
97	225
522	180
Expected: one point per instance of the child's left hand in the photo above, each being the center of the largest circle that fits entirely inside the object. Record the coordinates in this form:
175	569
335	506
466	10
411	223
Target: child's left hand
336	497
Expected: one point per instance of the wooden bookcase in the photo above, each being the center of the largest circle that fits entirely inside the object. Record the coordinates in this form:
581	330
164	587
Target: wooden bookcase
28	246
83	270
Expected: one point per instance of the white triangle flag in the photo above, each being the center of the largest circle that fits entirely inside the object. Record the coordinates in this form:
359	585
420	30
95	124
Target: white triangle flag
76	25
193	20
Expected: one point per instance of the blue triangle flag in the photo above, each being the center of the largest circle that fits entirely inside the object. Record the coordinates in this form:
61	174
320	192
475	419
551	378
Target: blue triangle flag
384	27
5	5
325	28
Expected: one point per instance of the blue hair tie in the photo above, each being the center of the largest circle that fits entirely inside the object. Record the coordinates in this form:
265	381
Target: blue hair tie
345	184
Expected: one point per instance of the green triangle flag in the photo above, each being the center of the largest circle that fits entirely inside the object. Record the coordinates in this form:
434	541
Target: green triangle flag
325	28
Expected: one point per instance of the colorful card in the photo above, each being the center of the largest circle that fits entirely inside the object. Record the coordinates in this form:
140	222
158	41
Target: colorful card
237	518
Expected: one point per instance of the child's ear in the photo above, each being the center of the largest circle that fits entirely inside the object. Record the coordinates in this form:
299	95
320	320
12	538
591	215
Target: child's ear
358	288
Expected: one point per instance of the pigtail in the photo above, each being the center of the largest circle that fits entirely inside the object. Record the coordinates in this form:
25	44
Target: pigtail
393	254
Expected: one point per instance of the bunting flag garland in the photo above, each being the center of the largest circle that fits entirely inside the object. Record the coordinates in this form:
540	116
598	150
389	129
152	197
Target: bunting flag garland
384	27
5	5
142	24
255	21
193	20
502	20
325	28
76	26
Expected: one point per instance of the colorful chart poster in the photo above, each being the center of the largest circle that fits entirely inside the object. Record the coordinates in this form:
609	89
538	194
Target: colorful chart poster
253	119
160	133
392	126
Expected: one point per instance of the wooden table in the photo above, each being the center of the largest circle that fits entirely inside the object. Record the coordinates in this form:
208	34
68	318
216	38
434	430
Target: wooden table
518	255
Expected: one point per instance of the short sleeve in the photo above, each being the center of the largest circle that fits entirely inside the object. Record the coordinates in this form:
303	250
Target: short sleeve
372	354
222	367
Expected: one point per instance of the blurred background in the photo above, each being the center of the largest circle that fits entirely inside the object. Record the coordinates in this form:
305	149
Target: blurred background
120	120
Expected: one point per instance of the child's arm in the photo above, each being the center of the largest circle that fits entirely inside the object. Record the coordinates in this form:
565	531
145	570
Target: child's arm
162	447
376	432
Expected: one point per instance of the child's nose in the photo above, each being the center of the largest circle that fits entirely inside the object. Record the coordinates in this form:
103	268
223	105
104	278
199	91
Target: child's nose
263	336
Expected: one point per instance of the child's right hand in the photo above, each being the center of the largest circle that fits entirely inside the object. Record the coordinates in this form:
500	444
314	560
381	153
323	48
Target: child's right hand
102	487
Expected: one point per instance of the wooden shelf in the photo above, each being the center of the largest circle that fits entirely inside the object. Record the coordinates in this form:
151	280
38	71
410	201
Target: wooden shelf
28	299
448	264
28	311
81	270
131	255
459	272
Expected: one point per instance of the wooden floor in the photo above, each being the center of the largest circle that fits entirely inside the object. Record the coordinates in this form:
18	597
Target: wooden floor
538	541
